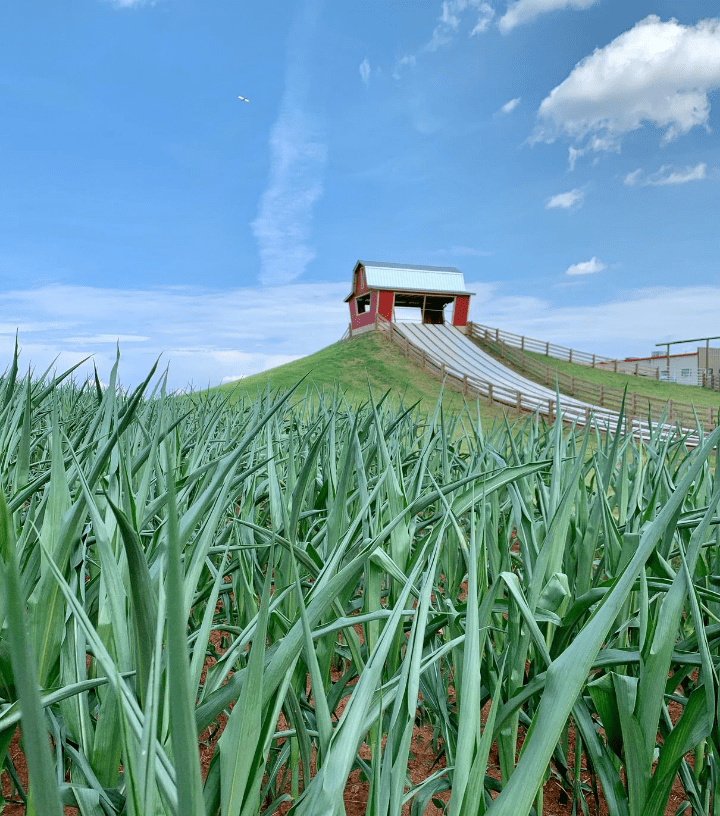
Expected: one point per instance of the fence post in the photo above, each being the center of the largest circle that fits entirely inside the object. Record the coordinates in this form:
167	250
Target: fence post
572	386
423	358
602	394
522	343
465	384
615	366
547	349
490	393
550	410
670	410
593	361
518	401
497	335
570	356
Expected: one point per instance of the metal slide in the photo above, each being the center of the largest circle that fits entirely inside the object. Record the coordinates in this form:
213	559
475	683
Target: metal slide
446	345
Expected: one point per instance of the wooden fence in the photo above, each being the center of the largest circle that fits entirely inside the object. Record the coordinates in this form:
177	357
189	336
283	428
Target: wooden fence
641	405
639	408
486	333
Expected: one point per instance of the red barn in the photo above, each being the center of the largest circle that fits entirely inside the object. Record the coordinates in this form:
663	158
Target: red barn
383	289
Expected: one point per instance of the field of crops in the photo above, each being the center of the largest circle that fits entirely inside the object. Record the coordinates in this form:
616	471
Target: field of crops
306	584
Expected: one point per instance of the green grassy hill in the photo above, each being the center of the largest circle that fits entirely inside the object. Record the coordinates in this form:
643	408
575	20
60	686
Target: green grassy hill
368	359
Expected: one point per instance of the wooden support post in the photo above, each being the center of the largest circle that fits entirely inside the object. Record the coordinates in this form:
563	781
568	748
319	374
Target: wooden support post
423	358
670	410
615	366
547	349
522	343
587	414
602	395
593	364
570	356
551	403
490	393
518	401
572	386
465	384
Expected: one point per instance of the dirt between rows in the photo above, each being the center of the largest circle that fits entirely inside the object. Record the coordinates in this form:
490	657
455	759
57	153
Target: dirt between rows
426	758
424	761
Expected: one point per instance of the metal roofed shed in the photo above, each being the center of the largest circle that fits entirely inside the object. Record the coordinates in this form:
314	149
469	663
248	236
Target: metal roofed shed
380	288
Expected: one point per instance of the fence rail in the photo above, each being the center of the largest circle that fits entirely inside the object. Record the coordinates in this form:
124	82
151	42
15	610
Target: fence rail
640	409
480	332
603	396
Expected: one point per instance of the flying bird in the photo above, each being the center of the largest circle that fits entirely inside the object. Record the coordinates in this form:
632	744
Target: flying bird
244	98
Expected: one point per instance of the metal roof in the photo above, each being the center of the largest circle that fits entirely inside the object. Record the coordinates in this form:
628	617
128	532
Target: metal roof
406	277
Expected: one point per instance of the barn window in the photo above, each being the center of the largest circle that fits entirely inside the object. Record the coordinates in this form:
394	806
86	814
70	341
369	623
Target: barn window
362	304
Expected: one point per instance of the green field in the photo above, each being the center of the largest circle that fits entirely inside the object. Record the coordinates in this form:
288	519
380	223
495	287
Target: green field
221	607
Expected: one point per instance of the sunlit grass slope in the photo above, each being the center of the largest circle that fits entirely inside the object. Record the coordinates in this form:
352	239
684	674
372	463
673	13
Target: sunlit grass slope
368	359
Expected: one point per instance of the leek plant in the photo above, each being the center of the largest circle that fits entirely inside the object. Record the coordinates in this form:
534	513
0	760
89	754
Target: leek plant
367	570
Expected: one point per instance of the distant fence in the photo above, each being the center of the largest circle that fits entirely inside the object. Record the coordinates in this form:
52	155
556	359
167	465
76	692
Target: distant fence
600	395
638	407
480	332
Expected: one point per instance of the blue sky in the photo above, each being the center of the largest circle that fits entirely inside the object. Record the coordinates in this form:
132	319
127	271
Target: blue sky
562	153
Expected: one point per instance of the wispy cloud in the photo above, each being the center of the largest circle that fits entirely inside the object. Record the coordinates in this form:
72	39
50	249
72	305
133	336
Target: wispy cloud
566	201
451	17
657	73
473	16
365	71
204	335
510	106
283	225
629	323
590	267
523	11
402	63
667	174
130	3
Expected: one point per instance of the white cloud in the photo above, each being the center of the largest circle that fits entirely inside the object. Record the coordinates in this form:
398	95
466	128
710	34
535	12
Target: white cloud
565	201
103	339
523	11
406	61
667	174
510	106
657	73
365	71
204	335
629	324
283	224
451	16
586	267
474	16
